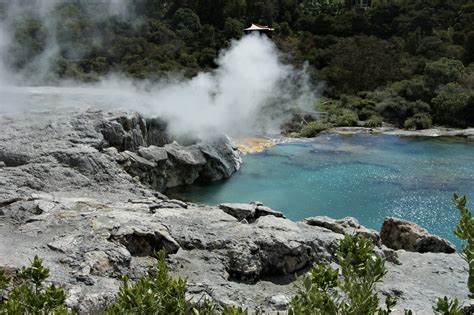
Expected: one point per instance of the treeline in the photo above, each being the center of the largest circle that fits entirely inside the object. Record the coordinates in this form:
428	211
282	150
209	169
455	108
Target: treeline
406	62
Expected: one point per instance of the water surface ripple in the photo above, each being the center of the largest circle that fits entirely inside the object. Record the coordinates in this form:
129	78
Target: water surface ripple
365	176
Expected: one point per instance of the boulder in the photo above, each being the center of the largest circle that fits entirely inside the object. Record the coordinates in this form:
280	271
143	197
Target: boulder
347	225
240	211
262	211
249	212
401	234
153	153
223	159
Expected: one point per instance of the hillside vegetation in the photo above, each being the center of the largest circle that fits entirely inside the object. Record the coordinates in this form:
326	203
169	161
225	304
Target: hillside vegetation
409	62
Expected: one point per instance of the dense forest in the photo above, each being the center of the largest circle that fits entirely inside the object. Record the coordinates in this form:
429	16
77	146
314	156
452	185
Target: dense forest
408	62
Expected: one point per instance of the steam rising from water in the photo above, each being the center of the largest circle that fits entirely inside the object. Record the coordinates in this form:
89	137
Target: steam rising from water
251	90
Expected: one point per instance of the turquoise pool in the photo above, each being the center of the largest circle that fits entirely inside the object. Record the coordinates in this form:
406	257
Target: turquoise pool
365	176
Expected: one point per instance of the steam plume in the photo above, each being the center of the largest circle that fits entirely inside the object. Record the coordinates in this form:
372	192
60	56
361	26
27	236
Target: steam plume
249	91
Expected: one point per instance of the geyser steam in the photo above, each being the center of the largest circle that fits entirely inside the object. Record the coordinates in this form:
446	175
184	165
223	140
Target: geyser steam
251	89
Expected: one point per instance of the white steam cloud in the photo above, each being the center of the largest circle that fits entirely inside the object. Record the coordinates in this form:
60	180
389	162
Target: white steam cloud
250	91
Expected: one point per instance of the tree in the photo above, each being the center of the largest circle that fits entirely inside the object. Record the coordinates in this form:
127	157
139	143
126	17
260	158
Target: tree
454	105
186	19
362	63
418	121
233	28
469	47
315	7
443	71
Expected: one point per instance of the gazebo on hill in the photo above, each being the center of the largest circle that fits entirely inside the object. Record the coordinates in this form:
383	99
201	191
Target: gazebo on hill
259	28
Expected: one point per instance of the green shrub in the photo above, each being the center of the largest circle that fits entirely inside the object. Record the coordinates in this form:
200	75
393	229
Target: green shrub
346	118
4	280
454	105
465	231
365	113
312	129
443	71
446	306
31	296
152	294
374	122
324	292
412	90
162	294
418	121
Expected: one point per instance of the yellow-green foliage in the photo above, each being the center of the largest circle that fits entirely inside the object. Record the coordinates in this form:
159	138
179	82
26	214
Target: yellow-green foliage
324	292
153	294
465	231
31	295
446	306
313	129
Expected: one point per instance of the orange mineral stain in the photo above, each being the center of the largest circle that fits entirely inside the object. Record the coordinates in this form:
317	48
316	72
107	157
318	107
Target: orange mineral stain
254	145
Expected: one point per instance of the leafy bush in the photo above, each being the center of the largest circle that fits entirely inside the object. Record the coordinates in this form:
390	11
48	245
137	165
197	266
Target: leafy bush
186	19
397	110
374	121
443	71
152	294
454	105
465	231
162	294
411	90
418	121
446	306
346	118
360	268
31	296
312	129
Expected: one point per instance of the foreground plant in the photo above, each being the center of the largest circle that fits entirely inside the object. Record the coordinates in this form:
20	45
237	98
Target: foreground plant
465	231
31	296
162	294
324	292
157	294
446	306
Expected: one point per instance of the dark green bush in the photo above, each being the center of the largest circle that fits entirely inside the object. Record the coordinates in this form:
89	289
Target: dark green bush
443	71
347	118
312	129
454	105
418	121
374	122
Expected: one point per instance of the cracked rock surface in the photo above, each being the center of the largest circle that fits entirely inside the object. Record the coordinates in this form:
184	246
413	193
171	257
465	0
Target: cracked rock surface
81	189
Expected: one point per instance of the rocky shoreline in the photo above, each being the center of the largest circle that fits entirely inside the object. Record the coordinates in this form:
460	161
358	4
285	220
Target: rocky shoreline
432	132
81	189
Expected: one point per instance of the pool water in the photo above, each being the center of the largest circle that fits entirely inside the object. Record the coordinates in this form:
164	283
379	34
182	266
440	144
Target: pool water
365	176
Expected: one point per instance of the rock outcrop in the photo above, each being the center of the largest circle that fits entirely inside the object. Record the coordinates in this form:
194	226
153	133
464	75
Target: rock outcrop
402	234
80	189
344	226
249	212
145	150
